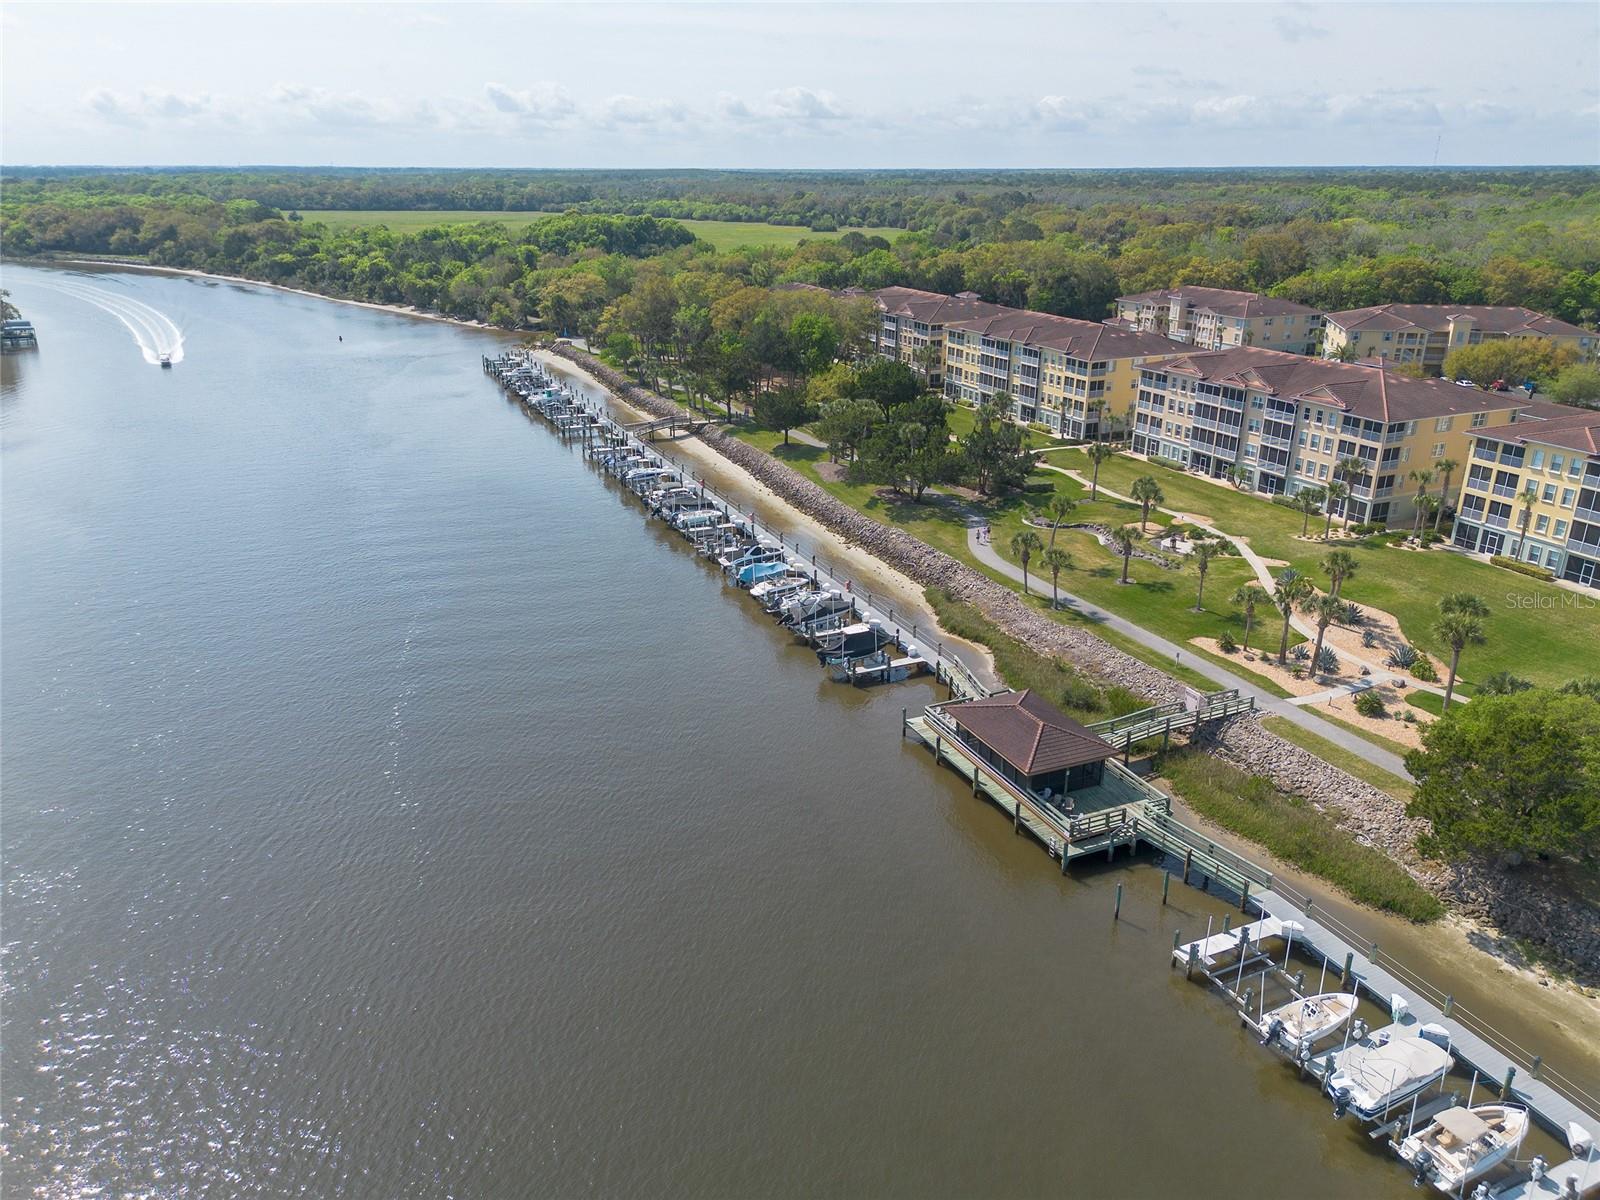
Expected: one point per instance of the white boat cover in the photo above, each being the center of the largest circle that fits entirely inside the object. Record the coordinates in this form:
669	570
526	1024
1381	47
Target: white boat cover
1462	1124
1389	1068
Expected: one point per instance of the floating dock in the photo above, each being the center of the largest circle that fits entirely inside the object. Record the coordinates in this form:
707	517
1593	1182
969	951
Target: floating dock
1238	963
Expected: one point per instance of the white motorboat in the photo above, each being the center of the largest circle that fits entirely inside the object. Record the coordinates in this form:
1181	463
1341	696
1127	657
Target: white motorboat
1303	1023
1377	1073
1461	1144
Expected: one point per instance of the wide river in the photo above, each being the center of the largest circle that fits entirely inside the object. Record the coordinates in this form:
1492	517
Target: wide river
390	810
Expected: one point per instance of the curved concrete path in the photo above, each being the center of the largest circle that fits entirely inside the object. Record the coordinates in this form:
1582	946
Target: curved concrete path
1265	701
1376	672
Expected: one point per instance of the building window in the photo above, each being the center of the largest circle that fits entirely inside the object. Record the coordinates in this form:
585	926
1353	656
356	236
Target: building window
1536	461
1549	493
1322	470
1533	554
1566	497
1479	420
1542	524
1561	529
1442	425
1438	450
1557	461
1575	469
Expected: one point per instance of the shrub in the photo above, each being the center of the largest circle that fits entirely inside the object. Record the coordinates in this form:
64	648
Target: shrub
1328	661
1300	652
1368	638
1353	614
1430	538
1402	656
1409	717
1370	704
1522	568
1423	669
1502	683
1226	644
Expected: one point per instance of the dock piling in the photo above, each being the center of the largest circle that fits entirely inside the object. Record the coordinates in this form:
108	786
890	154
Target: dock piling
1449	1004
1505	1084
1349	965
1533	1067
1194	958
1244	898
1227	922
1166	882
1188	861
1116	913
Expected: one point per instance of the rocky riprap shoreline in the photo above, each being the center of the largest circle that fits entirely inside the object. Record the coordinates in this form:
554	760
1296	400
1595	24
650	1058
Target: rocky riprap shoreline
1519	905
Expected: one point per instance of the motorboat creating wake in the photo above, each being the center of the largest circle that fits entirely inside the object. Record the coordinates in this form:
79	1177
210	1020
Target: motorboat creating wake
160	341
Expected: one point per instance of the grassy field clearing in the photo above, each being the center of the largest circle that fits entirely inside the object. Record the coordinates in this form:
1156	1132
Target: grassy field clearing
1547	639
724	235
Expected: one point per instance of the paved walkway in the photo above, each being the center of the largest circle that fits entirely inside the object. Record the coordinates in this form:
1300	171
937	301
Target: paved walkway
1223	678
1376	672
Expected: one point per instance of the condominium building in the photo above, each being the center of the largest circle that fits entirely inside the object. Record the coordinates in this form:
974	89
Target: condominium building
1279	423
1216	318
1064	374
911	325
1425	333
1532	490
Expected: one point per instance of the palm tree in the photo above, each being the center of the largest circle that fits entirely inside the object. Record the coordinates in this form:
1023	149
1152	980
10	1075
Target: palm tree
1340	565
1125	538
1239	476
1147	492
1423	478
1333	493
1308	501
1457	630
1204	552
1445	467
1525	502
1247	597
1057	511
1460	623
1352	468
1098	453
1058	560
1325	609
1289	588
1024	545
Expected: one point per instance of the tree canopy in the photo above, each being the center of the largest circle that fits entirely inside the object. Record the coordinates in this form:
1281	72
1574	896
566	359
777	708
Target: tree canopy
1513	776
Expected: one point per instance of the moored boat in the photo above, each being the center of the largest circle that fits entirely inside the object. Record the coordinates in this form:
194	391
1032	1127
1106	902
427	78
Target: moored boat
1460	1144
1303	1023
1377	1073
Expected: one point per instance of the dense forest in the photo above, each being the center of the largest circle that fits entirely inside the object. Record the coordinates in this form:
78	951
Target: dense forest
1063	242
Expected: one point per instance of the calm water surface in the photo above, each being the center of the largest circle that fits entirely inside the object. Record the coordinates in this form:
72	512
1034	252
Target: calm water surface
390	811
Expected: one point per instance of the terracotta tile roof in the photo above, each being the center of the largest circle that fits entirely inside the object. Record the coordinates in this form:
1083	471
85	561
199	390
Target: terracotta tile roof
1225	302
933	308
1366	390
1029	732
1087	340
1436	317
1577	429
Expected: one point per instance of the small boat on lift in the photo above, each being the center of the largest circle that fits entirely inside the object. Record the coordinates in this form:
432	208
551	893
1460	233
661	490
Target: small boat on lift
1372	1076
1303	1023
1461	1144
851	642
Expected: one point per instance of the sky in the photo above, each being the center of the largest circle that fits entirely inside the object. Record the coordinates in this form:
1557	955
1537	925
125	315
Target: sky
769	85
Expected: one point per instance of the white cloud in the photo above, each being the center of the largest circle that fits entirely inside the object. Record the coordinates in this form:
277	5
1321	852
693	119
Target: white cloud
803	104
541	103
625	111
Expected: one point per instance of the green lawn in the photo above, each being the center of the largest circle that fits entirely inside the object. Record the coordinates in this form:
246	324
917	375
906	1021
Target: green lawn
1157	598
724	235
1297	833
1545	638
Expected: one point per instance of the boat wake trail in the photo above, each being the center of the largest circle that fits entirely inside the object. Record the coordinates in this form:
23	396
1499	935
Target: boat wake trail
152	329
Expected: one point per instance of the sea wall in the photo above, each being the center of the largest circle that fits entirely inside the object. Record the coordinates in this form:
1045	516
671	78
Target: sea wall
1520	904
